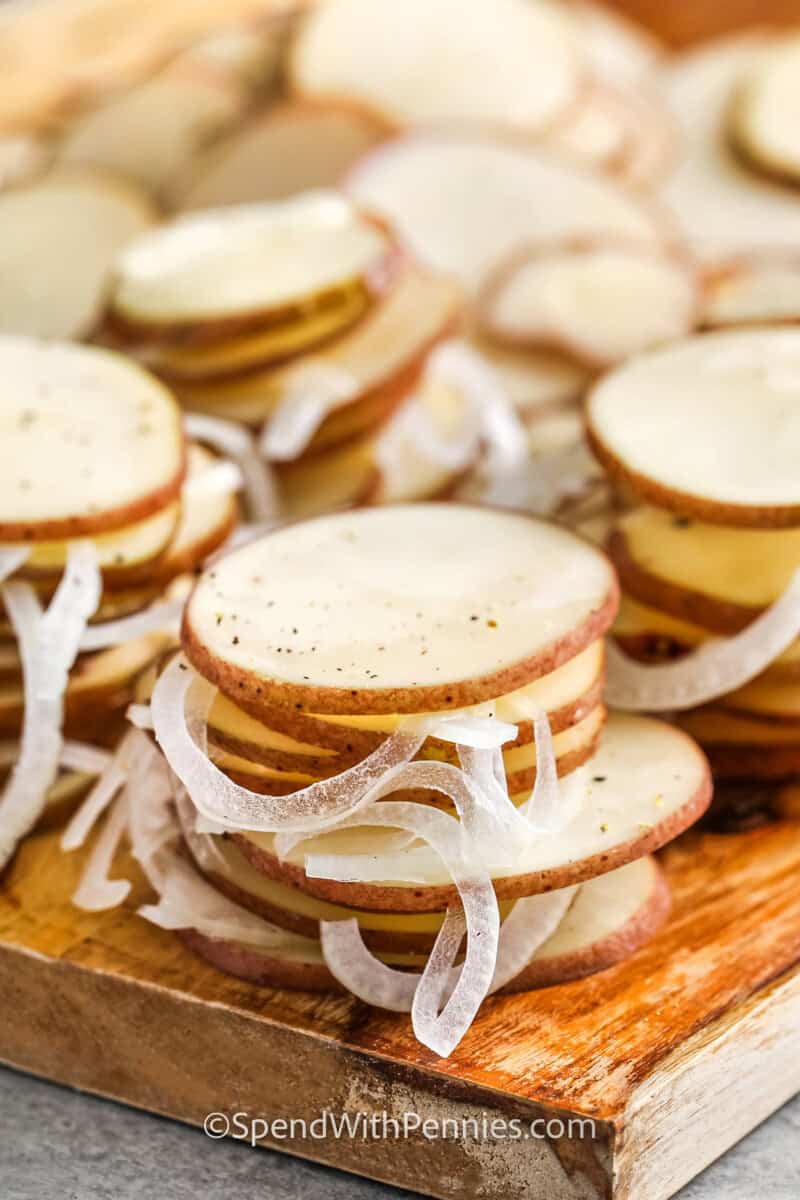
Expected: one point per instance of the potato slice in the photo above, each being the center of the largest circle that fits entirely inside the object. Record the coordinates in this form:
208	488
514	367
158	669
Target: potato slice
382	354
417	61
600	301
618	914
650	783
649	634
742	747
153	131
753	290
611	918
464	202
708	427
326	481
89	442
712	576
765	120
397	609
567	695
295	147
721	205
59	238
99	683
239	268
226	357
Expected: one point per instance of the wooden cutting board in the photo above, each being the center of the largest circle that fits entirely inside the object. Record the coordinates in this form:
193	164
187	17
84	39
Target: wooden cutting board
673	1055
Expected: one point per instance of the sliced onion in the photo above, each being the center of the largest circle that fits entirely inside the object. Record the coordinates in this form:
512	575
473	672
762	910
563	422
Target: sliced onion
481	733
48	645
457	364
349	961
83	757
543	808
445	836
312	391
220	478
162	617
527	927
235	441
713	669
180	704
113	777
11	559
202	845
140	716
496	823
96	891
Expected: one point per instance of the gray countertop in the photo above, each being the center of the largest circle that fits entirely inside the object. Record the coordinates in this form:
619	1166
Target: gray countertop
56	1144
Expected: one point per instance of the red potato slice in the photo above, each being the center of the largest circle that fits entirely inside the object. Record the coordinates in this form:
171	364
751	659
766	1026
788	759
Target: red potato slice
416	61
754	289
59	238
768	699
650	781
463	202
89	442
571	748
502	599
567	695
383	355
736	390
333	479
600	302
231	270
650	634
153	131
712	576
742	747
766	114
98	684
610	918
721	205
294	147
229	357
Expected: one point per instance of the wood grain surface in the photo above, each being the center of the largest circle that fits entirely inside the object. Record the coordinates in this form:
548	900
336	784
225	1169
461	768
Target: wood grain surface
674	1054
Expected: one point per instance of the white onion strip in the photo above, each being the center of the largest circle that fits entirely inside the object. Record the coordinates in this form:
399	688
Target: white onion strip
83	757
235	441
186	900
222	478
444	834
180	704
113	777
139	716
312	391
96	891
371	980
715	668
11	559
459	365
162	617
48	644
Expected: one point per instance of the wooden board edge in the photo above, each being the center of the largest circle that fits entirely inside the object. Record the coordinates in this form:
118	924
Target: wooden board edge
170	1053
704	1097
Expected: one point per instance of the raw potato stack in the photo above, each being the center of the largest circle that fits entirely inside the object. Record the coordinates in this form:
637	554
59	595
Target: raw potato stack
299	317
351	682
707	434
102	508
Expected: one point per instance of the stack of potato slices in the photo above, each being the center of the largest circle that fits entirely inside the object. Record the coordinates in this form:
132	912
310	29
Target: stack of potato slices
706	433
386	732
102	508
297	316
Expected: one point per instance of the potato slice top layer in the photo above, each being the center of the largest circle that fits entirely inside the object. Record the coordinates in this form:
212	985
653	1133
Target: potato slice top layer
709	426
88	440
398	609
246	259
